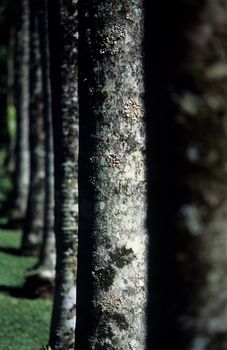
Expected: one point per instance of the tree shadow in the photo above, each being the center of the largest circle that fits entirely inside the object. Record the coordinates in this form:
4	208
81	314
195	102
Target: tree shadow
33	288
13	224
17	292
10	251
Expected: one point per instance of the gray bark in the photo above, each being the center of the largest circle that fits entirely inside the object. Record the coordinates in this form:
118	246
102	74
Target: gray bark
34	221
63	19
112	234
22	169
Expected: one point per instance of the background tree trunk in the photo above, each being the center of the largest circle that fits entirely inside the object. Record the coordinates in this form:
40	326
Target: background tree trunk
9	161
22	168
47	255
34	221
63	21
112	235
42	277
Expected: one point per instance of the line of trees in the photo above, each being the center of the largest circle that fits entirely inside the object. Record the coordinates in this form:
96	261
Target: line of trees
120	167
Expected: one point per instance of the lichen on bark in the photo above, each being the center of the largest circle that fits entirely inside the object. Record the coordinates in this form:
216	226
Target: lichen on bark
113	170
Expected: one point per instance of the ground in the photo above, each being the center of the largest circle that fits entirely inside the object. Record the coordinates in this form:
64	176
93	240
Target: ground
24	323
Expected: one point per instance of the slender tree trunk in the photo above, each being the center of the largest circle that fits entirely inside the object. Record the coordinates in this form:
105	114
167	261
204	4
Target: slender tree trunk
10	108
34	221
41	277
112	234
47	255
22	169
63	17
63	20
4	135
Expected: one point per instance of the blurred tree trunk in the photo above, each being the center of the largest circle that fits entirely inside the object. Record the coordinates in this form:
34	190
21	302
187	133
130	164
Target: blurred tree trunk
112	261
4	135
22	168
34	221
41	277
64	42
200	92
47	255
10	103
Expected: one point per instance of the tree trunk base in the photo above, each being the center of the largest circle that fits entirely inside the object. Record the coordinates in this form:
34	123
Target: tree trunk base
38	286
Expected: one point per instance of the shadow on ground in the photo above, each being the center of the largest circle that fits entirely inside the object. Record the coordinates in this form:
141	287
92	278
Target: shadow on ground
11	251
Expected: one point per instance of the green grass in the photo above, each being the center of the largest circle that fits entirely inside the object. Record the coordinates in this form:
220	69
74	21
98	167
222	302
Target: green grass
24	323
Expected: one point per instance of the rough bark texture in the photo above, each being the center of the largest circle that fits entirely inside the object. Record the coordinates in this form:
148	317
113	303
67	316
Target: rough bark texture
63	21
112	234
22	166
34	221
200	92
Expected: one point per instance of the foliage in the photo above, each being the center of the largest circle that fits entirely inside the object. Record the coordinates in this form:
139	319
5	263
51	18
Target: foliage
24	323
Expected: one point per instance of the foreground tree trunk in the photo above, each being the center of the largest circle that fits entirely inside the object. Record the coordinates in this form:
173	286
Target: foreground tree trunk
112	234
22	168
200	96
63	21
34	221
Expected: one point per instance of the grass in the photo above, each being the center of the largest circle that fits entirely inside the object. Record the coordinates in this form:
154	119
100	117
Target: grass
24	323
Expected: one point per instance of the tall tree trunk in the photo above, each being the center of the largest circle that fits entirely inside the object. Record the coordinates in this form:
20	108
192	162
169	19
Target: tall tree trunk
200	85
189	72
22	169
63	20
47	255
4	135
41	277
10	108
112	234
34	221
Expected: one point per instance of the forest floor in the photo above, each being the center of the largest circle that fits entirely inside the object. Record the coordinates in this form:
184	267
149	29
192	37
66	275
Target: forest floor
24	322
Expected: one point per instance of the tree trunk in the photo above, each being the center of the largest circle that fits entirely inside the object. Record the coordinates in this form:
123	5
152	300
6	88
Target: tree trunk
34	221
43	274
47	255
63	20
22	169
4	135
9	161
199	94
112	234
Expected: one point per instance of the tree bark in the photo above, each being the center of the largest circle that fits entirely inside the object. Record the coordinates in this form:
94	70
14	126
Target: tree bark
22	169
63	21
199	94
34	221
112	270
